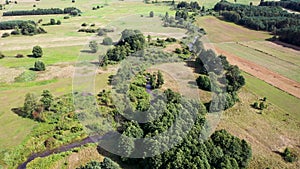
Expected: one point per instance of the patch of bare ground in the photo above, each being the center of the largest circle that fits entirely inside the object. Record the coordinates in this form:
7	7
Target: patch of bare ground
171	48
290	86
8	75
61	70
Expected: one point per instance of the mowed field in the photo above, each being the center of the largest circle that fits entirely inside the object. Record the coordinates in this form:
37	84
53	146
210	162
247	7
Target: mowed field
271	130
62	47
249	49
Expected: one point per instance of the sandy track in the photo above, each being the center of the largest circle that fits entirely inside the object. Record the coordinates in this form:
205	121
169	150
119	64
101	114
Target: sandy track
290	86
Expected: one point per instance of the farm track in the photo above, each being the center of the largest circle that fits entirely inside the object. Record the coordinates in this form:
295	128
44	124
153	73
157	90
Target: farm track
290	86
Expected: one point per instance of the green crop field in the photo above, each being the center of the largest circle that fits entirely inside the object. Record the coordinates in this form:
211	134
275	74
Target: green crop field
282	66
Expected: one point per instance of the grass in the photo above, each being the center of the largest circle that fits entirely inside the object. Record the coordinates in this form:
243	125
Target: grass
222	31
269	130
276	64
290	103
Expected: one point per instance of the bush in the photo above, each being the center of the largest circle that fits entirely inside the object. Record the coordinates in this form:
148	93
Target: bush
19	56
37	51
84	24
203	82
101	32
4	35
58	22
92	24
39	66
289	156
107	41
151	14
15	32
93	46
26	76
2	55
66	17
52	21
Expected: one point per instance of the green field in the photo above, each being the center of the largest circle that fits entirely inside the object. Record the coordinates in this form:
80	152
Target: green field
284	65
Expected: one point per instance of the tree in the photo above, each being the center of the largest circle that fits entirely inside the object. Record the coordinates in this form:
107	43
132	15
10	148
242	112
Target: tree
160	79
151	14
203	82
30	104
37	51
107	41
93	46
52	21
39	66
46	99
58	22
149	38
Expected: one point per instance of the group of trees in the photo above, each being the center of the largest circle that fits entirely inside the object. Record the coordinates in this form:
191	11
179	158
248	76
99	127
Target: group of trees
33	107
274	19
192	6
22	27
50	11
130	42
288	4
53	22
107	163
218	76
156	80
222	150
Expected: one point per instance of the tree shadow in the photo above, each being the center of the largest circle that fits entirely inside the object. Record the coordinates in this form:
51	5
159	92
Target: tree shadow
283	44
19	112
86	51
278	152
193	64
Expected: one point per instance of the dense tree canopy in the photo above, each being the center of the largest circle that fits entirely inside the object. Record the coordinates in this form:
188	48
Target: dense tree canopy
39	11
269	18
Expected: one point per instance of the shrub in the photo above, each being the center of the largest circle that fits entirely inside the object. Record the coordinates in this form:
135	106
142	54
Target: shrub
19	56
151	14
26	76
203	82
4	35
92	24
39	66
101	32
37	51
262	105
2	55
66	17
15	32
289	156
107	41
93	46
83	24
73	1
58	22
178	51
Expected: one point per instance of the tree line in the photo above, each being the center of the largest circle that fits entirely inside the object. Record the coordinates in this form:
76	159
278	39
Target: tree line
288	4
68	10
269	18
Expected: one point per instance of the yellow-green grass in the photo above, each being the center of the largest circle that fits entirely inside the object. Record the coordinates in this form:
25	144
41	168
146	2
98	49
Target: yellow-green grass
222	31
211	3
284	67
66	34
50	56
268	131
14	128
275	50
285	101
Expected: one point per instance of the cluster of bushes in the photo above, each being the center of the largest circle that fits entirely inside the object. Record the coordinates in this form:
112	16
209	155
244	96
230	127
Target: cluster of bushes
107	163
68	10
191	6
155	80
4	25
289	156
97	7
104	31
269	18
288	4
53	22
130	42
261	105
88	30
221	150
26	76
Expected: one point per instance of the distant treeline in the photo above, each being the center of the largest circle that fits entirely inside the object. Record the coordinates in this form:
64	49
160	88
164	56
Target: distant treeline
288	4
13	24
41	11
273	19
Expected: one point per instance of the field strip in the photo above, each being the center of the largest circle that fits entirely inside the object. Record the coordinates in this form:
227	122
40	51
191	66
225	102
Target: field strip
290	86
